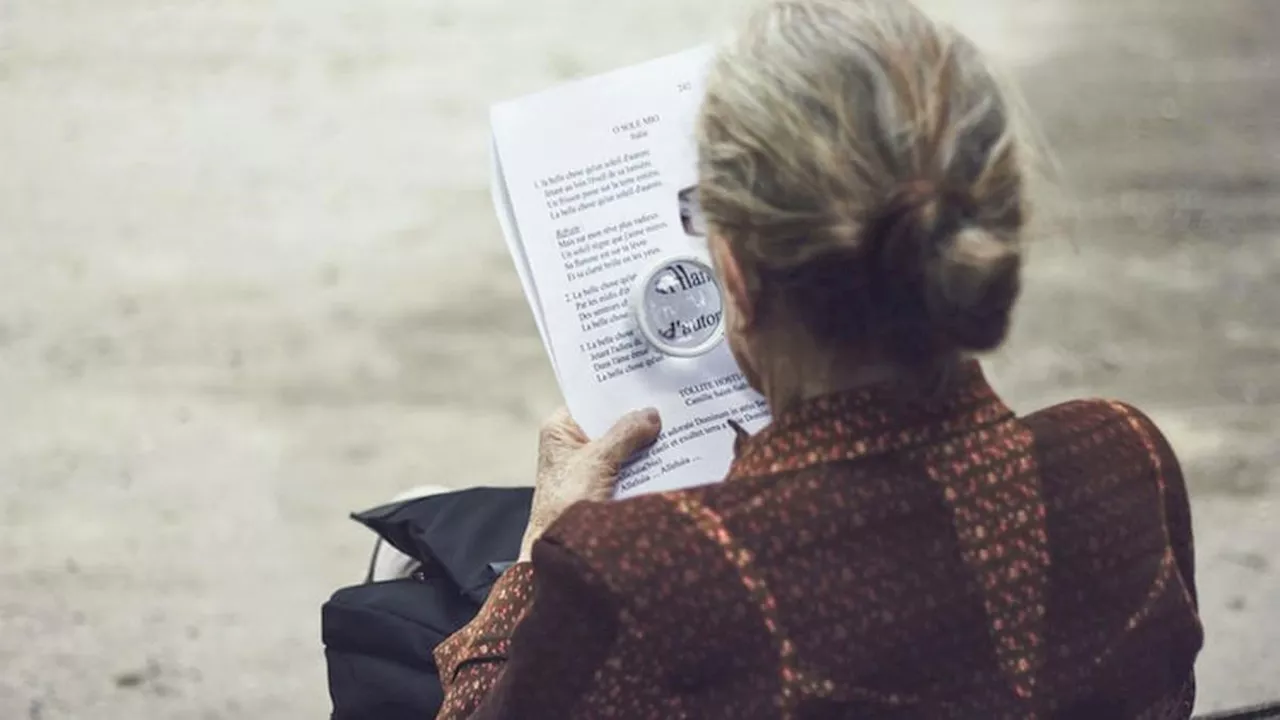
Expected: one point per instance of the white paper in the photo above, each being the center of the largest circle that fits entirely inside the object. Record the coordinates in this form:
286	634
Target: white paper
511	233
586	178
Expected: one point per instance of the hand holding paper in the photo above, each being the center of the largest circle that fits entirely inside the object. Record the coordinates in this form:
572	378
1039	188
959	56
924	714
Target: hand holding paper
594	184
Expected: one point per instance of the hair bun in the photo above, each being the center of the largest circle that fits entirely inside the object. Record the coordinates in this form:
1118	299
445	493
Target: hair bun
970	284
949	282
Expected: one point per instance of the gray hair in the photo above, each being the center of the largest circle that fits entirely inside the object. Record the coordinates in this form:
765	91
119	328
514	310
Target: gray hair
863	162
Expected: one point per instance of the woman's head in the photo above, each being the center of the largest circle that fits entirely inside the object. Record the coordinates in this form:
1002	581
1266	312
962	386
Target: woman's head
860	174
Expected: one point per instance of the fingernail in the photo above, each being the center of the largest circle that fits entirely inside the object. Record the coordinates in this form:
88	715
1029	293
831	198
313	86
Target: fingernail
650	415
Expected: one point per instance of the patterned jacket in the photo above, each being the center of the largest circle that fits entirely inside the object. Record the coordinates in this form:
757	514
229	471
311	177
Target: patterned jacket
867	557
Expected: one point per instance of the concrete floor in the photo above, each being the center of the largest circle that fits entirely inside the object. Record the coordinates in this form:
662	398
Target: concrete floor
250	280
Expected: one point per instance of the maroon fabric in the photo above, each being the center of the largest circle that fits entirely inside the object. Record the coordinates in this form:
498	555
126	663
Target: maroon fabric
869	556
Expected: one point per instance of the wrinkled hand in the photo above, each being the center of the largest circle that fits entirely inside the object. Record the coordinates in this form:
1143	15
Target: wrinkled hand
573	468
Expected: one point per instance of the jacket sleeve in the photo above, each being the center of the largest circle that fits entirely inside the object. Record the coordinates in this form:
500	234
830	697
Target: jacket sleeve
1177	515
470	660
1173	488
538	642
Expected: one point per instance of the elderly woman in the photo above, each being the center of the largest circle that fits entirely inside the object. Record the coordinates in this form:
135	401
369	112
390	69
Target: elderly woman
897	543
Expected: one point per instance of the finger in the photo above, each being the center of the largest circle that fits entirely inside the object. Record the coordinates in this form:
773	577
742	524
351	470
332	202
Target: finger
559	427
632	433
574	431
559	434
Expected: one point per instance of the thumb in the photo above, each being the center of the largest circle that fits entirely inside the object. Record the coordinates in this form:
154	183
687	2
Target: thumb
631	434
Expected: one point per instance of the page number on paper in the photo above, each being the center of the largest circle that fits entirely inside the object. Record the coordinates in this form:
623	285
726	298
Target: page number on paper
684	87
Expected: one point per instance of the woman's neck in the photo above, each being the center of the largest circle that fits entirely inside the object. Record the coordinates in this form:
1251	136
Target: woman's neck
797	377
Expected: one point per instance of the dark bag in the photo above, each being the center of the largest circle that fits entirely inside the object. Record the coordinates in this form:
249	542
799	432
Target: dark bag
379	637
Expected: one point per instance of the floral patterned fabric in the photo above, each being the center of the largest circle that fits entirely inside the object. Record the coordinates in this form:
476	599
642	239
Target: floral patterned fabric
869	556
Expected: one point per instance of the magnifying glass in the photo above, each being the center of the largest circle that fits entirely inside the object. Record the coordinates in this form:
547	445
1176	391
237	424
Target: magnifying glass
678	307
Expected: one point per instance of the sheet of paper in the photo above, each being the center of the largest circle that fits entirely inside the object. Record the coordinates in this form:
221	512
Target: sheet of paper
591	175
511	233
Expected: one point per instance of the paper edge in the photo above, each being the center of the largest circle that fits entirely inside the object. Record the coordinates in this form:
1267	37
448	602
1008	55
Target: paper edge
515	246
603	77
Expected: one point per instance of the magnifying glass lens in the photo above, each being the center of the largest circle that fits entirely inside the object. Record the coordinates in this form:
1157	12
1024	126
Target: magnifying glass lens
679	308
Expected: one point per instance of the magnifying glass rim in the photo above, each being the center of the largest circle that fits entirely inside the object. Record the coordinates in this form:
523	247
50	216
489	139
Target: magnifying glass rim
649	333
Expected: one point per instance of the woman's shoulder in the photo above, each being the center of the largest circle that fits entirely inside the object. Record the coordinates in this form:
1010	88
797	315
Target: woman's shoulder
620	534
1120	521
1095	423
1101	439
642	542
